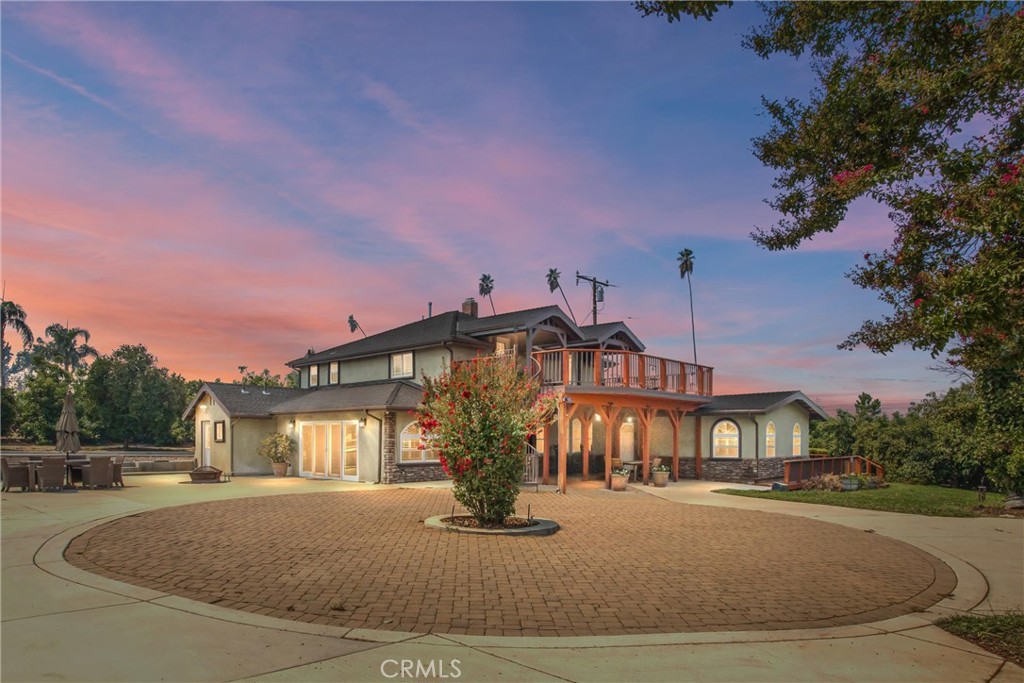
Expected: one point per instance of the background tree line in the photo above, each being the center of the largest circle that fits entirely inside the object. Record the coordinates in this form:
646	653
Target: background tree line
123	398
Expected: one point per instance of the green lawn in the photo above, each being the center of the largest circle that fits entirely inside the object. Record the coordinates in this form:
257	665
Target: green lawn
910	498
1002	634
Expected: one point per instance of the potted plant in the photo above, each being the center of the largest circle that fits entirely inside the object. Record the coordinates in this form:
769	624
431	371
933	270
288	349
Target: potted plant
620	477
659	473
278	449
850	482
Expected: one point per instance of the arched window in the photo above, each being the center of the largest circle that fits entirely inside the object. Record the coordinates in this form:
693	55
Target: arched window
797	446
413	446
769	440
725	440
576	441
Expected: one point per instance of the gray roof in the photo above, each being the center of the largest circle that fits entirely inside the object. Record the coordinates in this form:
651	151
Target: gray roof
242	400
604	331
427	332
760	403
389	395
515	320
452	327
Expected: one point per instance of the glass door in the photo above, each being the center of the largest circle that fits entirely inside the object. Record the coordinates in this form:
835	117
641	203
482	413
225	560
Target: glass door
330	450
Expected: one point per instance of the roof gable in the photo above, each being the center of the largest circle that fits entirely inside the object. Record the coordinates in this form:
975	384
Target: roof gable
761	403
518	320
602	332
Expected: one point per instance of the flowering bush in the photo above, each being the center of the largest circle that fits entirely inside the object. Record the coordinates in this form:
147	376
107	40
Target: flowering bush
278	448
478	415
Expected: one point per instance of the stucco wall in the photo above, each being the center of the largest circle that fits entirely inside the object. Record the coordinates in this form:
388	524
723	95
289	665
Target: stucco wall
220	453
245	436
365	369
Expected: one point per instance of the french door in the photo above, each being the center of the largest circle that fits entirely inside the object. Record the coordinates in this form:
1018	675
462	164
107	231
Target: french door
330	450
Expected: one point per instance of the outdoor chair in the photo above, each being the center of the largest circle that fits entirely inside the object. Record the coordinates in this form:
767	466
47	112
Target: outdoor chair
99	472
15	474
119	471
51	474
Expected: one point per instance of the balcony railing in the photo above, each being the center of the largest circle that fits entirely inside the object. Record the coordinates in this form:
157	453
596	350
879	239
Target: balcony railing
621	369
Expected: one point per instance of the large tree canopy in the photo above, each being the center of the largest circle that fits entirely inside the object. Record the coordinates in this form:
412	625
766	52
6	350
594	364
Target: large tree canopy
918	106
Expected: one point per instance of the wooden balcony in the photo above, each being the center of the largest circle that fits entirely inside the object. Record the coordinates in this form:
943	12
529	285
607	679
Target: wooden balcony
621	370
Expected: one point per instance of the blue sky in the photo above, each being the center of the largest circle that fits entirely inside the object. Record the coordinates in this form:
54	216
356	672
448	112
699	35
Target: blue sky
227	182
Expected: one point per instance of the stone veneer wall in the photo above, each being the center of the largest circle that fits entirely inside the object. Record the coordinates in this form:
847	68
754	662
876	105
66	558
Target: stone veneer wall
394	473
732	470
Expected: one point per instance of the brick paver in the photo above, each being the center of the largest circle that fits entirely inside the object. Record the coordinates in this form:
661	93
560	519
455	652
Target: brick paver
623	563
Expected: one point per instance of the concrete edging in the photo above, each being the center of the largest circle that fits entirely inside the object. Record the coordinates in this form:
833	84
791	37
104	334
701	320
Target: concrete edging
543	527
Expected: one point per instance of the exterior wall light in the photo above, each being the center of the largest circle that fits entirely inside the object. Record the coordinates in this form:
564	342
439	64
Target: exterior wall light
362	422
291	425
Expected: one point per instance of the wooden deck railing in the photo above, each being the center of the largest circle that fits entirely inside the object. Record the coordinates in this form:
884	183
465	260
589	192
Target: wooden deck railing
796	472
622	369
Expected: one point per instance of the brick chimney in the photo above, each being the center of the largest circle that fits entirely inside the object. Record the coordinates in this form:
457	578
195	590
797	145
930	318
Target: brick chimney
469	307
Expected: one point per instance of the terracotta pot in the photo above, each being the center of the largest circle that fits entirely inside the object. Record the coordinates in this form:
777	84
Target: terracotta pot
619	482
280	468
660	478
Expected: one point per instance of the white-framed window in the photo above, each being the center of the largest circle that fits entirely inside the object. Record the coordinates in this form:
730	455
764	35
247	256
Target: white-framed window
413	446
769	440
334	372
401	364
314	375
725	440
797	444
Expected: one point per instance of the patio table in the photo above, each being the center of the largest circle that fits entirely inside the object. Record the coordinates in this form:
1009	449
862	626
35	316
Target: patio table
634	467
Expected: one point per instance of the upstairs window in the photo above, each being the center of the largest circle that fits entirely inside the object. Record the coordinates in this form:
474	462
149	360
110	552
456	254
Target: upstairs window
769	441
334	372
797	445
314	375
725	440
401	364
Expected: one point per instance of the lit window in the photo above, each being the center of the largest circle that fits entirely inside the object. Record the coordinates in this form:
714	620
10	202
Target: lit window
725	440
314	375
401	364
334	373
413	446
769	441
797	446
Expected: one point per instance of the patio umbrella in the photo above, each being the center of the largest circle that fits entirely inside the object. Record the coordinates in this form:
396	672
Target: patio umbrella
67	428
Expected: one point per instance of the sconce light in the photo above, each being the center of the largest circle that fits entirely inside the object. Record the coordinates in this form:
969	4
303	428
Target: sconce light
204	407
629	419
362	422
597	418
291	424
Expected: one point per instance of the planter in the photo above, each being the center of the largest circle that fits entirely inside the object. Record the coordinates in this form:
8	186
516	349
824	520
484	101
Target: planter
660	478
280	468
619	482
850	484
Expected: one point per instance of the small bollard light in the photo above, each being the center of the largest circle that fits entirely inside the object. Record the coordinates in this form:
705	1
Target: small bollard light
981	493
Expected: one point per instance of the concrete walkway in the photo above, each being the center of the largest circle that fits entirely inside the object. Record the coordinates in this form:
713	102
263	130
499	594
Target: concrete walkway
62	623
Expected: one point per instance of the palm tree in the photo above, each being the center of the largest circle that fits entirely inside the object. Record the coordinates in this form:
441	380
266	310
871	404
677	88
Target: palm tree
64	349
686	272
12	315
486	287
554	284
353	325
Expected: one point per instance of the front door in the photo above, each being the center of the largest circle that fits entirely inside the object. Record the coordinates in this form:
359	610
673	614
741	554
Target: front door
626	442
329	450
205	441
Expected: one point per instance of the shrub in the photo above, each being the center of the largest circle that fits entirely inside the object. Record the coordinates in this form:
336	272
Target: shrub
825	482
661	468
278	448
479	415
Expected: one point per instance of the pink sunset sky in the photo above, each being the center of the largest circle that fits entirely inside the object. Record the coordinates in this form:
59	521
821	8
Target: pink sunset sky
227	182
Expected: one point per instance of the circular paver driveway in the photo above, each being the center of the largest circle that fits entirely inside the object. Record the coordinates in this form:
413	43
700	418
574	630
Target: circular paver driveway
623	563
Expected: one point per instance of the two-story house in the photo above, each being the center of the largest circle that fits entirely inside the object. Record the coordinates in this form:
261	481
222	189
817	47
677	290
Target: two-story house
352	414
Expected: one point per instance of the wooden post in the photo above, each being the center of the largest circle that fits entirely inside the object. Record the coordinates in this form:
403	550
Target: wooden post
674	416
585	442
698	447
563	446
565	370
598	375
609	414
663	386
547	454
626	357
646	418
